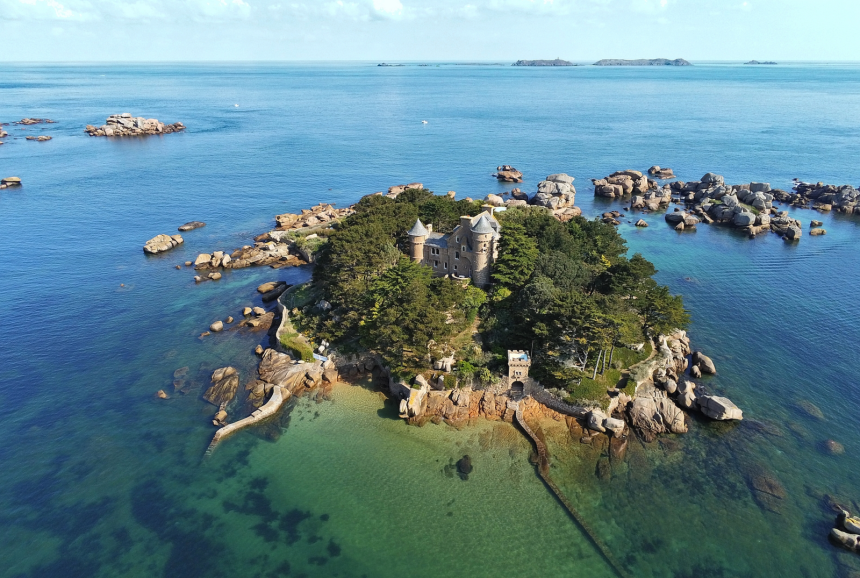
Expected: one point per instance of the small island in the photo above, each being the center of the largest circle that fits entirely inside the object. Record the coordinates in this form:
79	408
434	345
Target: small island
556	62
126	125
766	62
642	62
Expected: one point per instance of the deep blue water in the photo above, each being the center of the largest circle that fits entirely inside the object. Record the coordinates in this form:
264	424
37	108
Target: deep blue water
101	479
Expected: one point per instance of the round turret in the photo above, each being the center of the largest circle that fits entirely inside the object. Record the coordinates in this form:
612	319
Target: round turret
482	239
417	236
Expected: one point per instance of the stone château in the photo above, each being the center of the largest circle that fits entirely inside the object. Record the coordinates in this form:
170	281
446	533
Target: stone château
468	252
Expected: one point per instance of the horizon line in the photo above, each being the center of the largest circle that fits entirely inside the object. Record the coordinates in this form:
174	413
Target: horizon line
405	61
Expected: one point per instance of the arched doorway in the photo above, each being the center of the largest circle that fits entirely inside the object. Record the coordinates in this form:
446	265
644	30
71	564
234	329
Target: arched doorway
517	389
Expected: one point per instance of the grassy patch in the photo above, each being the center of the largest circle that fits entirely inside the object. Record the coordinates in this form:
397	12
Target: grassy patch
298	345
750	208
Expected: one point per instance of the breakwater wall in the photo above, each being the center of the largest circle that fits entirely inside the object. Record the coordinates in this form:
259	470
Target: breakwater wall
543	471
270	408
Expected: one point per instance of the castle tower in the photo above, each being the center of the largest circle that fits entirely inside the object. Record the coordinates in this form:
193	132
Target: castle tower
417	236
518	365
482	243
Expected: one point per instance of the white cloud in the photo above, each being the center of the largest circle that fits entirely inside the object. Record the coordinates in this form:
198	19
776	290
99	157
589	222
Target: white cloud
389	7
649	6
47	9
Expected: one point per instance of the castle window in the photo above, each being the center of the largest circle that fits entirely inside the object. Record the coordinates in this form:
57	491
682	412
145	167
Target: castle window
456	254
455	267
446	265
436	264
458	239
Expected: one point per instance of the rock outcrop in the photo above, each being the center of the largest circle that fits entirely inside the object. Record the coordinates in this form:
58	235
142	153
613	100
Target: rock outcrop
281	369
508	174
42	138
655	413
557	194
29	121
191	225
269	253
663	390
225	383
394	191
321	214
162	243
622	183
126	125
844	199
719	408
10	182
661	173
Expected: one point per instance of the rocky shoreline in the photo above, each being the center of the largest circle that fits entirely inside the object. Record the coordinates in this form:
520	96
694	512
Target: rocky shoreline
663	392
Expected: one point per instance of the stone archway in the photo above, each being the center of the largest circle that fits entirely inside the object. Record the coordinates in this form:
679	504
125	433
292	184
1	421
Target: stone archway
517	389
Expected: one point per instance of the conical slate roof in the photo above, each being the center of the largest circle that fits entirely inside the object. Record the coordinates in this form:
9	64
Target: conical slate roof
483	226
418	230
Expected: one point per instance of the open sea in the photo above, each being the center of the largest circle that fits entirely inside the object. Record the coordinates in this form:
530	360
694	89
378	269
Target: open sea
102	479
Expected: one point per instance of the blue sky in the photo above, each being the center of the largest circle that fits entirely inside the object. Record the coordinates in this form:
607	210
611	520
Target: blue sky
393	30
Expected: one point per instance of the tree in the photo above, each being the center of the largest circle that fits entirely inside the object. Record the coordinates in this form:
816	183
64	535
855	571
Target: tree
516	260
661	310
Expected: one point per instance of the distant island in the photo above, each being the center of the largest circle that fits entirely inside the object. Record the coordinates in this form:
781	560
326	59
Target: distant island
556	62
770	62
386	64
642	62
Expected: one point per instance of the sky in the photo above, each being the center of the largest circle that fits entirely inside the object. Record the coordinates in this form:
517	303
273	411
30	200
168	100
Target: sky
432	30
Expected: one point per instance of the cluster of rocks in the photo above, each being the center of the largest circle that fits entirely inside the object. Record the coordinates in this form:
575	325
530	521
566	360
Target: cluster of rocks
10	182
653	200
663	390
556	193
664	173
162	243
321	214
42	138
508	174
747	206
844	199
422	402
622	183
261	253
847	531
611	217
3	134
29	121
126	125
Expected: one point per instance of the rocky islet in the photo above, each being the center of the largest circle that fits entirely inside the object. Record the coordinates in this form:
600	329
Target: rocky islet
162	243
126	125
10	182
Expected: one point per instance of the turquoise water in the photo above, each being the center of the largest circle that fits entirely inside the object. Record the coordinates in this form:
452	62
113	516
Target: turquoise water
102	479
